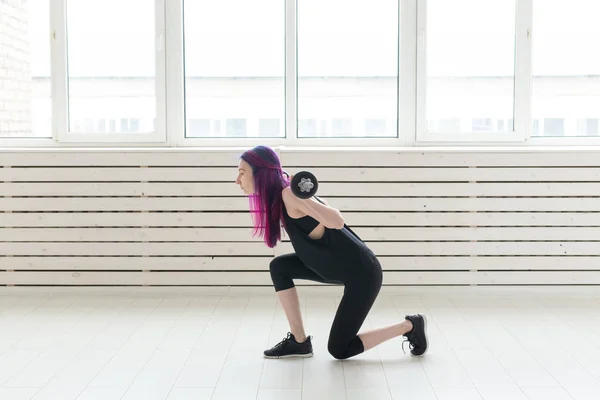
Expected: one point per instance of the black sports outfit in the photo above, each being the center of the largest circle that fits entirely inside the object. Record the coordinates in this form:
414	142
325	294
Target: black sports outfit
339	257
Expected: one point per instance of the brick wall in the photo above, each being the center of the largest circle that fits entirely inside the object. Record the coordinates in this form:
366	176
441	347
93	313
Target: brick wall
15	74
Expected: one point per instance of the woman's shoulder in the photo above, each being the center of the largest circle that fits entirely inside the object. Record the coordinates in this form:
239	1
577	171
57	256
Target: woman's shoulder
290	201
288	197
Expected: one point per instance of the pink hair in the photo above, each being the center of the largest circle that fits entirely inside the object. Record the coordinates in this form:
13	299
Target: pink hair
266	203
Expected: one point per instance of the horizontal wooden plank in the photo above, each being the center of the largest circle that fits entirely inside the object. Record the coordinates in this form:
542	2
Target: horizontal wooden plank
124	189
135	249
126	234
325	175
431	157
110	157
138	263
387	204
125	204
537	278
474	248
252	278
262	278
302	157
119	219
119	174
243	219
564	263
259	249
477	248
331	189
388	263
449	174
224	234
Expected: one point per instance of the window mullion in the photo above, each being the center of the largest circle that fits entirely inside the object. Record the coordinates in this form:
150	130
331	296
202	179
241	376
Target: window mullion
407	73
291	72
420	81
160	79
522	100
174	77
58	65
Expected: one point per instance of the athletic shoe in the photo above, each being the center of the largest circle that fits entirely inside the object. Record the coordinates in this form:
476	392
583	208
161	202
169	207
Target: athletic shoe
417	337
289	347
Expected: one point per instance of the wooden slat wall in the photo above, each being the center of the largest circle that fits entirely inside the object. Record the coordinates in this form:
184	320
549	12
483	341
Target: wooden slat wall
175	217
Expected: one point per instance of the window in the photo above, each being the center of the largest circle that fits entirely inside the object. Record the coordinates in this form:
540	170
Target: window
482	125
25	96
341	127
236	128
324	128
445	124
102	126
234	58
587	126
554	127
375	127
124	125
468	65
347	63
198	127
310	72
535	130
88	125
449	124
269	128
111	64
134	125
307	128
566	67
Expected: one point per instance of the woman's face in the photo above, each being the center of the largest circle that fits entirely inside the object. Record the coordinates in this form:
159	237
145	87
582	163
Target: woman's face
245	178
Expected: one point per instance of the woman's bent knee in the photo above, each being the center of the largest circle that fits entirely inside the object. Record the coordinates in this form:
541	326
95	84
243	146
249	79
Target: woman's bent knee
337	352
279	276
342	351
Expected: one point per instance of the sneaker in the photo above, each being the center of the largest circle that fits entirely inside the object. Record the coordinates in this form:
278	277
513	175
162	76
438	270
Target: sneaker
417	337
289	347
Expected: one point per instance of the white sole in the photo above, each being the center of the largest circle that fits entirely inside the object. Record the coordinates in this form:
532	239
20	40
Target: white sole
291	356
426	337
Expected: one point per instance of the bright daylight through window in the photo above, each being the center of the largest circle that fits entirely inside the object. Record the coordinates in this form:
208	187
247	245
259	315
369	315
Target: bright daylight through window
234	68
194	72
566	68
470	66
111	68
347	68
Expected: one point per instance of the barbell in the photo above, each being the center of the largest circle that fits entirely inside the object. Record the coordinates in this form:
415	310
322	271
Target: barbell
304	185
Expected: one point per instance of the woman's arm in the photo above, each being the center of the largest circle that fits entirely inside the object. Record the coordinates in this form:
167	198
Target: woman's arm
328	216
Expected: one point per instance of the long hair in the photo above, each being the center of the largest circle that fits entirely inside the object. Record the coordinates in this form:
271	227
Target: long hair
266	203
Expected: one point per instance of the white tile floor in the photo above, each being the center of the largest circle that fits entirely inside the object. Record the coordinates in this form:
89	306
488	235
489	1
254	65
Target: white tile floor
81	346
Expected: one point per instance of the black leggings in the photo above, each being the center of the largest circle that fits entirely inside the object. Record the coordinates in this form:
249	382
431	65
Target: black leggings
359	296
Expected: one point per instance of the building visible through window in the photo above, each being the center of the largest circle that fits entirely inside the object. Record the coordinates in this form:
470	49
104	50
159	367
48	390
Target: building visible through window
269	127
236	127
198	128
341	127
375	127
554	127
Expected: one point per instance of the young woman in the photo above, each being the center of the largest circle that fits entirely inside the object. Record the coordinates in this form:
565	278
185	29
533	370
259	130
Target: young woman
326	250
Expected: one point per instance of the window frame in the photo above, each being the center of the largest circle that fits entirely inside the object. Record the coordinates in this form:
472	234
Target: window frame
521	93
61	93
411	91
176	88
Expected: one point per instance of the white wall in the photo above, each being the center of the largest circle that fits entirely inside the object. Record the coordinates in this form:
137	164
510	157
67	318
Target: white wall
15	70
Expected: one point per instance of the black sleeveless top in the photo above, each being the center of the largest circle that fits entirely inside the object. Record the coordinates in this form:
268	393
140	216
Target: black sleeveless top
339	254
